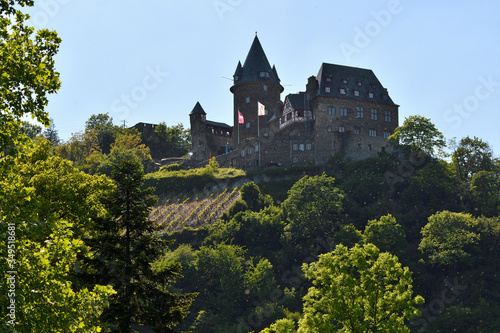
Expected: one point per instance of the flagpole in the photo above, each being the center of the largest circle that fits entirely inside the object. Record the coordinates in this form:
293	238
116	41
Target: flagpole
258	131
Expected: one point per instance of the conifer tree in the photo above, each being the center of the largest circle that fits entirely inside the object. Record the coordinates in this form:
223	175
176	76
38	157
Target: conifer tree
125	245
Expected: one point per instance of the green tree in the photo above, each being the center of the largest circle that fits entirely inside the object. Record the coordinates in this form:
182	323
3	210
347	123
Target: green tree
30	130
50	133
102	124
48	204
27	70
472	156
387	235
169	141
485	193
358	290
450	239
313	209
417	134
124	246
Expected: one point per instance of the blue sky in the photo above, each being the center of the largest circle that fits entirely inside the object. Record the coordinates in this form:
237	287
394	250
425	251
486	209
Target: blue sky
151	61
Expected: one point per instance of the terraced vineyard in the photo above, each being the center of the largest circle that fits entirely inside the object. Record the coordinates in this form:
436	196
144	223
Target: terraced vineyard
193	210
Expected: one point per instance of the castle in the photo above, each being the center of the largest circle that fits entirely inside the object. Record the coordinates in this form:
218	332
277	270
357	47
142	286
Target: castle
342	110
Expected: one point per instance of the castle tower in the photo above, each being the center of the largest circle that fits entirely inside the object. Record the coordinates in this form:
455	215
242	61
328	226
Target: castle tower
198	119
255	81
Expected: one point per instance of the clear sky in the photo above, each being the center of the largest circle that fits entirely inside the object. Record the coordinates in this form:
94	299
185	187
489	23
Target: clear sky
151	61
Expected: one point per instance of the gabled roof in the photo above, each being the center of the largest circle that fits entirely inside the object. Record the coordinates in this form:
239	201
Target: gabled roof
298	100
198	109
351	79
256	63
213	123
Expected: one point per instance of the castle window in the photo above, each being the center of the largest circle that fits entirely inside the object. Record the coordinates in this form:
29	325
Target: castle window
359	83
372	132
308	146
387	134
370	95
249	151
264	74
359	112
343	111
356	130
247	100
295	160
387	116
344	81
256	148
327	89
266	134
243	153
329	129
356	92
374	114
342	91
328	79
236	78
341	129
330	110
248	125
295	147
264	87
370	147
301	147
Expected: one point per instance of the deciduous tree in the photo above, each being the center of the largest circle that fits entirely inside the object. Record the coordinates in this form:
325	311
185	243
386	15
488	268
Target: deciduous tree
358	290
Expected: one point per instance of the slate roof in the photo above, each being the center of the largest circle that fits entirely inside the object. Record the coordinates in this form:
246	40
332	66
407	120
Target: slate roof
298	100
255	64
198	109
351	79
213	123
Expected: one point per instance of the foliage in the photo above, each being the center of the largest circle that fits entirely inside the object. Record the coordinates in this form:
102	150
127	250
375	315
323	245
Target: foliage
28	73
450	239
124	245
417	134
472	156
387	235
102	125
30	130
50	204
168	141
358	290
313	209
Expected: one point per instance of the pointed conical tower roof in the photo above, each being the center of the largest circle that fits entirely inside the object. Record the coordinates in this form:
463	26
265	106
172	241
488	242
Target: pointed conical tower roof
198	109
256	67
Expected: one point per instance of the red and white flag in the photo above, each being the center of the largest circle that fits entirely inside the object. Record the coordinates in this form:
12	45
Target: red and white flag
261	109
241	120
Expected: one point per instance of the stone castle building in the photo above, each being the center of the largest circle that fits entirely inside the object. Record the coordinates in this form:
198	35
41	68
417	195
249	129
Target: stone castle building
343	110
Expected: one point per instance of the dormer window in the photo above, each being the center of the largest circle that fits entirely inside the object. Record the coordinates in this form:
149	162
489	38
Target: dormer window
356	92
359	83
264	74
344	81
328	79
342	91
328	89
370	95
236	78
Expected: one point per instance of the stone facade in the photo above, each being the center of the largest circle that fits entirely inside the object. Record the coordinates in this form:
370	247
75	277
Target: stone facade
343	110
